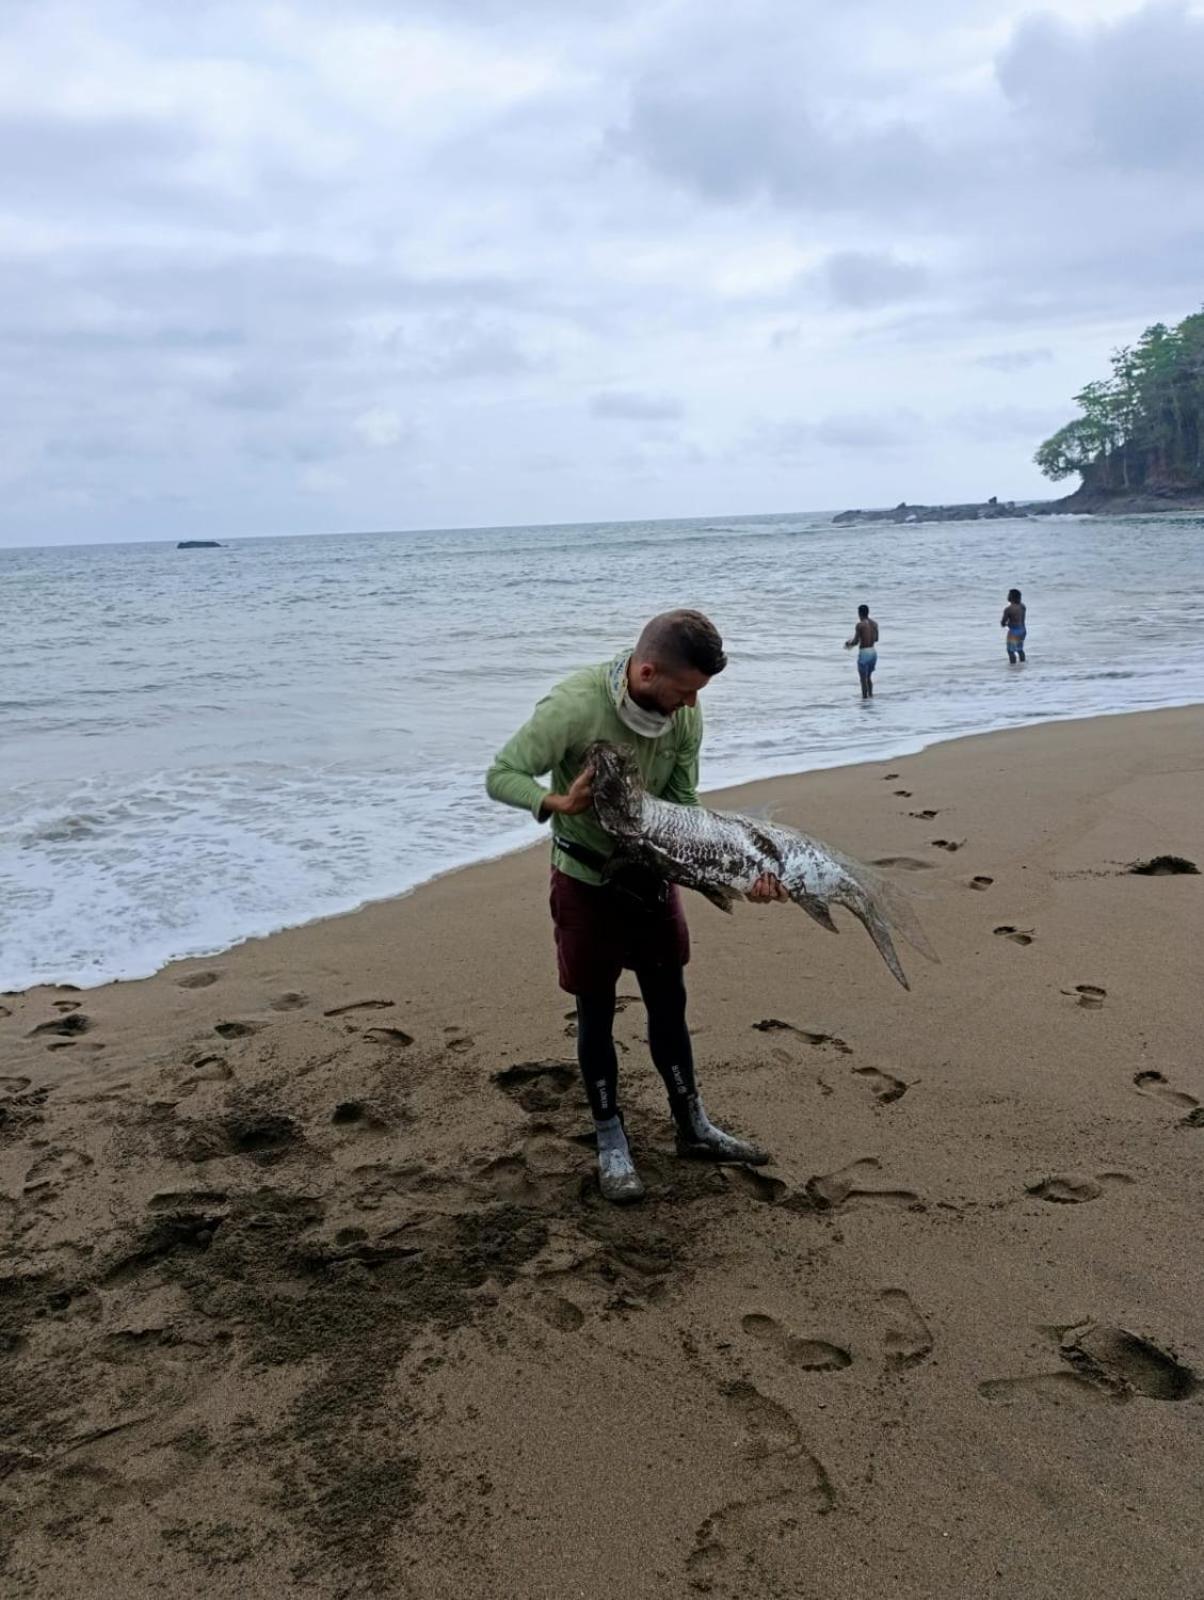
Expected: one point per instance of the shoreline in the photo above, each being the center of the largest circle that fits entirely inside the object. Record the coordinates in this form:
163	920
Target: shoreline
306	1271
742	785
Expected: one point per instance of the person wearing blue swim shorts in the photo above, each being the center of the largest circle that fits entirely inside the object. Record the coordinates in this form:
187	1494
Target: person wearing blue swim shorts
865	638
1013	617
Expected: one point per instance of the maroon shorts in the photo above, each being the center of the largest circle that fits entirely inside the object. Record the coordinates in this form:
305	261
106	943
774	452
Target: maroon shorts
599	931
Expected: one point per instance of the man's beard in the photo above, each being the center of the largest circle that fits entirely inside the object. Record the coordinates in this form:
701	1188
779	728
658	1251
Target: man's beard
649	701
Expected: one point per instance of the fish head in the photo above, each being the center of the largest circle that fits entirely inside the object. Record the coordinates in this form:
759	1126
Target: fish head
616	786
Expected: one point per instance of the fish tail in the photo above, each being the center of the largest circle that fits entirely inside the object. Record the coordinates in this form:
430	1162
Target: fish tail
881	909
879	932
888	903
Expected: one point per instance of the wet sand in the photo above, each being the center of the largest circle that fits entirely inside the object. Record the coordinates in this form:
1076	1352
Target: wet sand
306	1287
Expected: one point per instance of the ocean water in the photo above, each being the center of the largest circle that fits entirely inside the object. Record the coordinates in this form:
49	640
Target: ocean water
200	746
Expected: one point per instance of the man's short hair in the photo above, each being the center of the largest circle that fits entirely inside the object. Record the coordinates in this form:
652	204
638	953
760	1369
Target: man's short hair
863	611
678	639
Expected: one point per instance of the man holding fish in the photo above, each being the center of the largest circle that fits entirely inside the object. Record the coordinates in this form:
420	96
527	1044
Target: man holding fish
645	699
621	742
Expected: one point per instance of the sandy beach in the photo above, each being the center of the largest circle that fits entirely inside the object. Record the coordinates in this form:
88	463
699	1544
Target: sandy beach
307	1288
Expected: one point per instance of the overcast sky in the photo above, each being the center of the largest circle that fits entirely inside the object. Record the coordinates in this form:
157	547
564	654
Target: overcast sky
302	267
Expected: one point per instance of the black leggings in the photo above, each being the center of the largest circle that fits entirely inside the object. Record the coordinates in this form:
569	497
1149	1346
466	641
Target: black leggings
664	993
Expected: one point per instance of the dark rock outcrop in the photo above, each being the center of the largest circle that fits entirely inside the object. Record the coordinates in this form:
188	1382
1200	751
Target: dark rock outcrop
978	511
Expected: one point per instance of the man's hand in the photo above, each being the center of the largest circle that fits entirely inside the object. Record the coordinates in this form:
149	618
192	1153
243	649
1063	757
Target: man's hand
767	888
579	798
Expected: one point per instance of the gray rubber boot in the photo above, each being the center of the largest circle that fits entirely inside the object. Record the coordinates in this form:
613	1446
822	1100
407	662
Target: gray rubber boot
617	1177
698	1139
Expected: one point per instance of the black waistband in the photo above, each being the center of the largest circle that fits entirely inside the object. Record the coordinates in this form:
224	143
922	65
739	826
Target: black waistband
634	883
582	853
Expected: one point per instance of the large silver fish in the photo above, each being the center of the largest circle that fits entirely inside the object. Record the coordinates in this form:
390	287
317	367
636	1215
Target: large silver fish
722	854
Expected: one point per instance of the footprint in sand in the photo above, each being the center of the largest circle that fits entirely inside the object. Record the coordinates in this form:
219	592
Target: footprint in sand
1156	1083
948	844
764	1428
263	1135
903	794
1016	935
187	1199
924	816
67	1027
1124	1360
906	1338
358	1005
1088	995
1067	1189
759	1537
885	1088
397	1037
828	1190
1164	867
539	1085
817	1040
291	1000
813	1355
1058	1388
54	1169
981	882
1075	1188
888	776
239	1030
360	1114
903	863
208	1069
769	1191
560	1313
457	1040
1108	1364
197	980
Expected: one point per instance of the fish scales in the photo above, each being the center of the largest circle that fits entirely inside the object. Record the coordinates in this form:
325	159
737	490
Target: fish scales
721	854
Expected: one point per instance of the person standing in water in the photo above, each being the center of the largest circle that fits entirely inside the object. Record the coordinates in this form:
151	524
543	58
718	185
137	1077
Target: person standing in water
865	637
1013	620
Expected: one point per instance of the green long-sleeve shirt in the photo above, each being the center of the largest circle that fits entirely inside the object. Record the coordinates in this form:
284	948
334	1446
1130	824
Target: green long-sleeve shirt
564	724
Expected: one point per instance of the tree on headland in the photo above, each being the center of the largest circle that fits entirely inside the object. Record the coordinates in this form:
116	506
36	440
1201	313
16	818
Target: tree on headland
1142	427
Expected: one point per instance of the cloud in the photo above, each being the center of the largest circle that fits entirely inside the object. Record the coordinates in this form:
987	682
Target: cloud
282	265
733	139
620	405
320	481
1129	92
251	391
992	424
863	279
1015	360
381	427
855	432
97	161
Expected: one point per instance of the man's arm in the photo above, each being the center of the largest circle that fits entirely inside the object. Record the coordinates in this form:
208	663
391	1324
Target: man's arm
538	746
